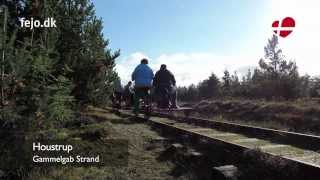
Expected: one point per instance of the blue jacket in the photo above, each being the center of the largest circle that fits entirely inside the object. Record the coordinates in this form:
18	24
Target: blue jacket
142	76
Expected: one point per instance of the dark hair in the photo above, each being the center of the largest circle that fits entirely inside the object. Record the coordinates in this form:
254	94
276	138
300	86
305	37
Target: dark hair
144	61
163	66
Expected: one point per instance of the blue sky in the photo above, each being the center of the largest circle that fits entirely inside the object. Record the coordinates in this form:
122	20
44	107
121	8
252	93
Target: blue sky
169	26
195	38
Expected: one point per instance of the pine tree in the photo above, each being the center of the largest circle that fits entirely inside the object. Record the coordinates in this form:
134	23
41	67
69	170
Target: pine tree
84	51
46	68
226	83
48	71
280	77
192	93
315	87
210	87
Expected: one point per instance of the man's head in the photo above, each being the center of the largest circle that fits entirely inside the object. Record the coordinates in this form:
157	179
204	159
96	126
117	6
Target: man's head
144	61
163	67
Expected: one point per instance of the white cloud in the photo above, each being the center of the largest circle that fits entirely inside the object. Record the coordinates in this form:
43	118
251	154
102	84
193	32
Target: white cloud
126	65
188	68
303	44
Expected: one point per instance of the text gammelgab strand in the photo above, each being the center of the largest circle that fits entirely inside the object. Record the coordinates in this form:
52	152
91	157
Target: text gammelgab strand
38	147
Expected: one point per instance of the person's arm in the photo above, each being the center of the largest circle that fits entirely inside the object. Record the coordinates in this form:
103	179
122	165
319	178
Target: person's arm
152	75
155	79
133	74
173	80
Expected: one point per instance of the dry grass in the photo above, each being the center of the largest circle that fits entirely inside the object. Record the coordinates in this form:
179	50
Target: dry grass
301	115
142	162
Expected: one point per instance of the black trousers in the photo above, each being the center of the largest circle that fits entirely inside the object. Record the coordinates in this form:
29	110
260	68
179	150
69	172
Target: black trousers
165	96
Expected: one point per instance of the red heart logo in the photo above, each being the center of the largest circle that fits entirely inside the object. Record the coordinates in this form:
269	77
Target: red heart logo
286	27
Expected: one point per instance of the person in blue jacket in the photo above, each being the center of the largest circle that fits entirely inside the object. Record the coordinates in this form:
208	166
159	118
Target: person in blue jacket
142	77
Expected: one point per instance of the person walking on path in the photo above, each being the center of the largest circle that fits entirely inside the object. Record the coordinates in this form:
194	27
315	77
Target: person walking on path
142	77
128	94
165	88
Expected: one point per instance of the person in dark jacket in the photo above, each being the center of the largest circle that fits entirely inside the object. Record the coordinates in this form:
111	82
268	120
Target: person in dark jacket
128	94
165	88
117	95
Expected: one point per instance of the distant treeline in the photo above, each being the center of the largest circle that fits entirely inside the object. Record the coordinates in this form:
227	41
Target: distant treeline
275	78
